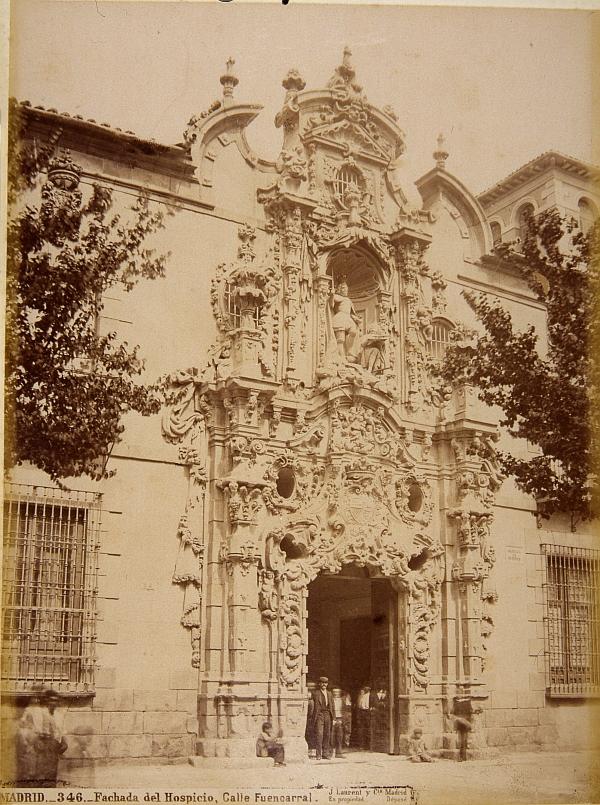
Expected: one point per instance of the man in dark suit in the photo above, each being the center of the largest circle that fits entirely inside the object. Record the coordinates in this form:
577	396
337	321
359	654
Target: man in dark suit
323	714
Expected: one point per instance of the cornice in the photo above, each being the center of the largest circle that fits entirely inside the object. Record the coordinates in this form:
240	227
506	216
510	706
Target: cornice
549	160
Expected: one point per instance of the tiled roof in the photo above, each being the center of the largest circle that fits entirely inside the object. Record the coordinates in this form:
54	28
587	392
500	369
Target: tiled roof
538	165
92	125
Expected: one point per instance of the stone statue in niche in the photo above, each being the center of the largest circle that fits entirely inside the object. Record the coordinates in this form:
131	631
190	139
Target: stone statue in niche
345	321
352	357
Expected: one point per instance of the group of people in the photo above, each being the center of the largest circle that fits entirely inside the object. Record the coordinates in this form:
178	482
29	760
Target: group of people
329	724
331	718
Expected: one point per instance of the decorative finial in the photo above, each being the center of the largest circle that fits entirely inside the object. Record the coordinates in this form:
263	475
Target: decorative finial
229	81
440	155
293	82
346	70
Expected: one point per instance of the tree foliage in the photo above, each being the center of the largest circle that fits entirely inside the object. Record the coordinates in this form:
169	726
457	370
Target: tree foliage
548	396
67	385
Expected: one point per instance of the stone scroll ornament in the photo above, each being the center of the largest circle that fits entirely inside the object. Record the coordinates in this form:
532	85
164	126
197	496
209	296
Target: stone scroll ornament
354	519
183	424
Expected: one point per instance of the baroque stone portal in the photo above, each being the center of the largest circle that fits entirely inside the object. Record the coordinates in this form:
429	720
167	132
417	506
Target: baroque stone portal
316	436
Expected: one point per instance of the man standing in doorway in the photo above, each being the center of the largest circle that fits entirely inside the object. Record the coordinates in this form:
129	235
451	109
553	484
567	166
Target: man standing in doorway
323	714
365	706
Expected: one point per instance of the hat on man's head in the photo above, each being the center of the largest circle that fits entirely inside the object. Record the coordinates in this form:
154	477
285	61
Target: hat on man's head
336	688
323	679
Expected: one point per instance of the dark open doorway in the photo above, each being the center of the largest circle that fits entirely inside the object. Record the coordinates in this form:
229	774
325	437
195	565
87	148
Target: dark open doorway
350	623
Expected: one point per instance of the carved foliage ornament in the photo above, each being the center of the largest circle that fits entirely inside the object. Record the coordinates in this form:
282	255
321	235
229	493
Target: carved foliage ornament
353	519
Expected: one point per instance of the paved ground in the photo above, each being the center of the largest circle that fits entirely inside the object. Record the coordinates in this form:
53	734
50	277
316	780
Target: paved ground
543	777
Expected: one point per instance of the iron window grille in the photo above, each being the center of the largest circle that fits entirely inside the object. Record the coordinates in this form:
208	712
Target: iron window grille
346	178
571	622
49	588
234	311
440	338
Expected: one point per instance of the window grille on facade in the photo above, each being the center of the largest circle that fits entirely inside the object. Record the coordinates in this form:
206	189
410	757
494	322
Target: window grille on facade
234	311
49	581
571	622
440	338
346	177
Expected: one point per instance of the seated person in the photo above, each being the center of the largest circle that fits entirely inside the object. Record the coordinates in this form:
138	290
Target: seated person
269	746
418	749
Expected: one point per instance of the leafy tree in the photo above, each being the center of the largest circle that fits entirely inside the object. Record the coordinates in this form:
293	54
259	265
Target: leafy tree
549	398
67	386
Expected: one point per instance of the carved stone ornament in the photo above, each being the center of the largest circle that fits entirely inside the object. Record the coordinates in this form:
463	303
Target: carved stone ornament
425	388
478	478
60	193
350	114
242	296
184	423
352	517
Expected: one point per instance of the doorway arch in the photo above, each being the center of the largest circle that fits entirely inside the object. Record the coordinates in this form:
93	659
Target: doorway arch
352	628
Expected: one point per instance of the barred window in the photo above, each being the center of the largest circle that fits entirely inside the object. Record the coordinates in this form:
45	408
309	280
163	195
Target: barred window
346	178
440	338
571	623
234	311
49	580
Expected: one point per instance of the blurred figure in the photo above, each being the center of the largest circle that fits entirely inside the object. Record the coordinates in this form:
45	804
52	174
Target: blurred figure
463	723
417	748
269	746
39	742
337	739
364	708
346	718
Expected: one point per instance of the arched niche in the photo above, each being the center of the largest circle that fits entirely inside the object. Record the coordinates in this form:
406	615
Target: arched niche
363	274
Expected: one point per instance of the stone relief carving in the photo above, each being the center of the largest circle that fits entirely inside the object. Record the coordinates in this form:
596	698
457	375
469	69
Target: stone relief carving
349	113
60	192
184	424
242	297
477	480
352	516
424	387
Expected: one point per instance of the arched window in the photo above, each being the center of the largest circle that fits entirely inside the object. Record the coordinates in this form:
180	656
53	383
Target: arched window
496	233
587	215
440	338
234	311
230	306
346	177
525	212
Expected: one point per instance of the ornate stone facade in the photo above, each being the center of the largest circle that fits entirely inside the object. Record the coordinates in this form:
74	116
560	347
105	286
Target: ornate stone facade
312	478
318	431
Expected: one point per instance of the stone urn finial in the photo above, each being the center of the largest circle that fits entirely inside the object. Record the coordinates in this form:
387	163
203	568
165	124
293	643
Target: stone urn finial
441	154
229	81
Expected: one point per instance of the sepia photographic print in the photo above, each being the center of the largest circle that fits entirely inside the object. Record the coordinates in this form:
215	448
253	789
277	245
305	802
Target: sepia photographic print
301	404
